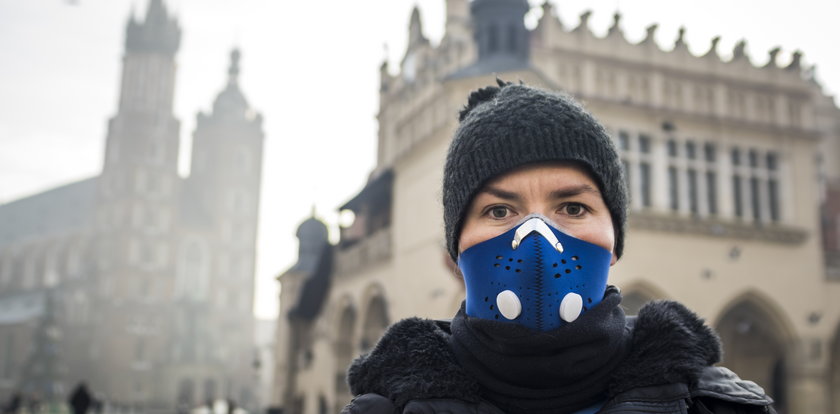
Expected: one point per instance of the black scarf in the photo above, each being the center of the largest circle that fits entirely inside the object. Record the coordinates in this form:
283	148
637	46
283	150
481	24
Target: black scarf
595	358
522	370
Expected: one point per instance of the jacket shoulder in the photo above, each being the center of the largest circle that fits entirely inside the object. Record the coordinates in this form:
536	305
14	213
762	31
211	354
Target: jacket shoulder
369	404
412	361
719	390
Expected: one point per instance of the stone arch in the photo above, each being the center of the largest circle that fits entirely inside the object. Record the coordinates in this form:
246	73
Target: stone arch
834	371
344	336
344	350
638	294
757	340
375	317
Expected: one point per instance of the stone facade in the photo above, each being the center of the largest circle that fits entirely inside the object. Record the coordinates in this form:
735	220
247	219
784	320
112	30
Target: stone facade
152	275
725	212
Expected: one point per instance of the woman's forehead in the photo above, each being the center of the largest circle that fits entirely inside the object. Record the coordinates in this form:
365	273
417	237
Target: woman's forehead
553	172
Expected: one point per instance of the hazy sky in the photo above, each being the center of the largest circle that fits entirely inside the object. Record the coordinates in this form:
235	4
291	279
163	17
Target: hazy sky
311	68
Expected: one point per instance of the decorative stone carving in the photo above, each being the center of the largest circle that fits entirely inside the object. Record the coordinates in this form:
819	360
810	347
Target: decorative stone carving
584	21
615	28
796	62
739	52
680	42
773	53
650	32
713	48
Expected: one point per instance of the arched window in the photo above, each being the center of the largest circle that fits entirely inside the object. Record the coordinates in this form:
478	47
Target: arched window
755	348
343	355
511	39
375	322
492	38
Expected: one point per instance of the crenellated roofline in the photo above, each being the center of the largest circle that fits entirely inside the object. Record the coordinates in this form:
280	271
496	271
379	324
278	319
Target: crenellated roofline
581	38
157	33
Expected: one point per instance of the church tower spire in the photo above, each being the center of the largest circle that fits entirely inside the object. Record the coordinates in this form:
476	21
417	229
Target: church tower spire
157	33
231	101
148	78
415	30
227	156
144	127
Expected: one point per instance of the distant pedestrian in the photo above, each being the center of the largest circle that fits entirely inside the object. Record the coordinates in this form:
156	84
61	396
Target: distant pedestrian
80	399
13	406
33	403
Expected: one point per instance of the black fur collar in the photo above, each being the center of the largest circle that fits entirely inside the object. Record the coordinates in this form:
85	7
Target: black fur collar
413	360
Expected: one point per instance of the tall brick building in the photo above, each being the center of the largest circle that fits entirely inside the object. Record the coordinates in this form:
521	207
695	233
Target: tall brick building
148	276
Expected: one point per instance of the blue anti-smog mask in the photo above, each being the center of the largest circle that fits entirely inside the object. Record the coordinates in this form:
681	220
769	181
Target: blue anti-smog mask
534	275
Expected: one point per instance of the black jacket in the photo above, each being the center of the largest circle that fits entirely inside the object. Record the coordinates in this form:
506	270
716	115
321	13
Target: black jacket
668	370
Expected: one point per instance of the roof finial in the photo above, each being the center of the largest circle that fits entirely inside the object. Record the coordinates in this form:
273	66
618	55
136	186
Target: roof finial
156	11
584	20
773	53
546	5
740	50
233	71
680	42
811	74
713	47
615	25
650	32
548	12
415	29
796	62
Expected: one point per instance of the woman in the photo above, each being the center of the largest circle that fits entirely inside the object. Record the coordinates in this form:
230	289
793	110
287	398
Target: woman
535	212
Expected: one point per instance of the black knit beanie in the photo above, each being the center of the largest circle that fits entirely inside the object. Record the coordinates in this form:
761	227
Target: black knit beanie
512	125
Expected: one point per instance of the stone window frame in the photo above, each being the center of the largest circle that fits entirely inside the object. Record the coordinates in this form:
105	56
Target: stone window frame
636	154
760	190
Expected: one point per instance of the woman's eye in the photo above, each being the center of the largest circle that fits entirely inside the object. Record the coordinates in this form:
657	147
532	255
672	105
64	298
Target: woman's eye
574	209
499	212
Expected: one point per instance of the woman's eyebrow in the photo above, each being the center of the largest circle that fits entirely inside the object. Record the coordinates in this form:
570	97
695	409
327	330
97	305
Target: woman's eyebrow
573	191
504	195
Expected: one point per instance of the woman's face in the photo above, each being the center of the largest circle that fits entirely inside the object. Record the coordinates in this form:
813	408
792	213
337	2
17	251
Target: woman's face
564	193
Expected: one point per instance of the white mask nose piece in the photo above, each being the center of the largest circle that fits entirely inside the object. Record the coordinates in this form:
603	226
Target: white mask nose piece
535	225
